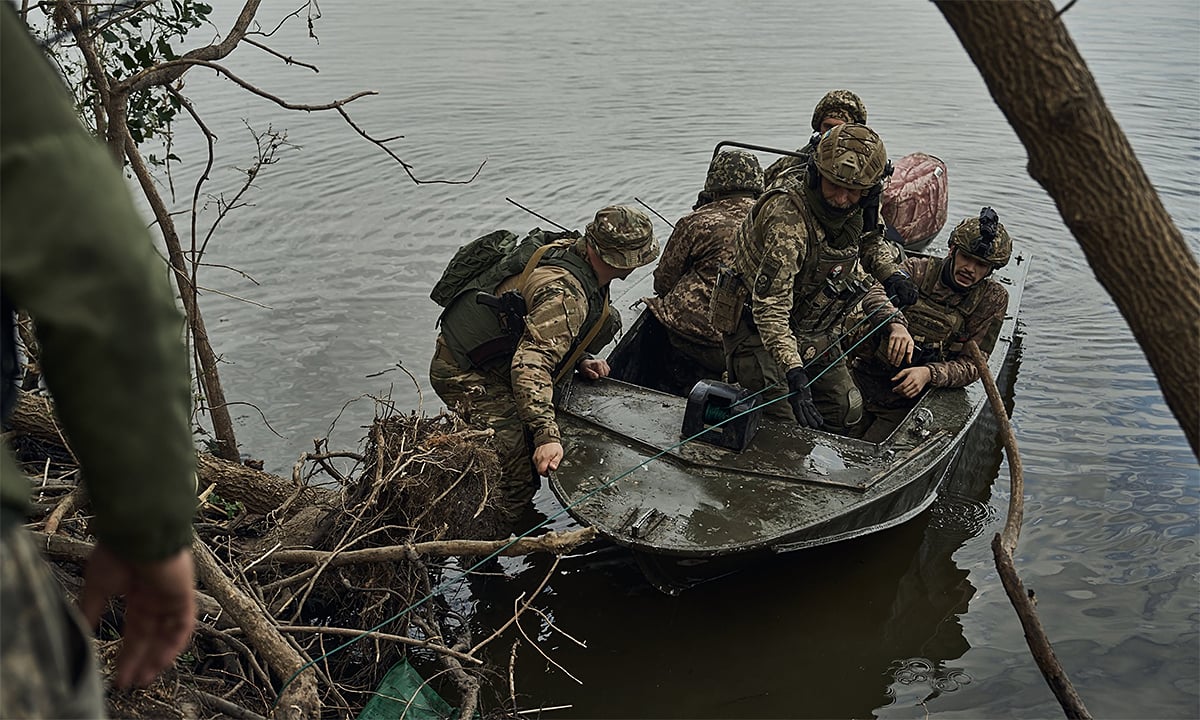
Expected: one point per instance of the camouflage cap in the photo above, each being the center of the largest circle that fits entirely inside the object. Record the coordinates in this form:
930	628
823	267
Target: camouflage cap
623	236
841	104
733	171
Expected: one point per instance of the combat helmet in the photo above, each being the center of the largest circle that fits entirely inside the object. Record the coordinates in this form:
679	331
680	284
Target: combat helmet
734	171
851	155
984	238
841	104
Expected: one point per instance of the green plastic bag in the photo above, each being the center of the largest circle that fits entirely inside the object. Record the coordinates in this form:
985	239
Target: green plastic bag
405	694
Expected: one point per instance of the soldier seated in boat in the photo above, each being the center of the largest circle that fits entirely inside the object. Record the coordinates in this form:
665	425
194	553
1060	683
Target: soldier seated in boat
501	367
700	244
922	347
797	272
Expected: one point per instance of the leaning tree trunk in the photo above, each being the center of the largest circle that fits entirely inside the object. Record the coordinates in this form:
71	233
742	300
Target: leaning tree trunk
1079	154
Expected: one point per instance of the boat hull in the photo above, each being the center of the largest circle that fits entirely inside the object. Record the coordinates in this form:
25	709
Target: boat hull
629	472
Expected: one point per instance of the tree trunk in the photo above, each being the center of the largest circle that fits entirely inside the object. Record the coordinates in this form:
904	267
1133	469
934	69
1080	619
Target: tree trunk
1080	155
206	359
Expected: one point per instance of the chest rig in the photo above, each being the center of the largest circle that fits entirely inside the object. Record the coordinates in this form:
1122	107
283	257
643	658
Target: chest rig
936	325
829	282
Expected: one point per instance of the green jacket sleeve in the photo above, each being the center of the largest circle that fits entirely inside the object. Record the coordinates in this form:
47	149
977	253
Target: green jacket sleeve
77	257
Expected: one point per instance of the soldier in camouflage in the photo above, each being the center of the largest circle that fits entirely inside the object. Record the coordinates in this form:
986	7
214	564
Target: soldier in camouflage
699	245
922	347
835	108
798	270
566	296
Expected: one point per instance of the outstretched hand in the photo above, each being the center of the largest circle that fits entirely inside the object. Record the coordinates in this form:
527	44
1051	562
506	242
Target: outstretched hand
911	381
547	457
160	609
593	368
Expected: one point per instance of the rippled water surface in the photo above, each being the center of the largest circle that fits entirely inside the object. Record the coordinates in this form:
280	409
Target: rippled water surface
570	106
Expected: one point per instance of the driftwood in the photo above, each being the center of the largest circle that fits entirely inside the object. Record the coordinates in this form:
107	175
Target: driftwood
274	552
299	698
1005	542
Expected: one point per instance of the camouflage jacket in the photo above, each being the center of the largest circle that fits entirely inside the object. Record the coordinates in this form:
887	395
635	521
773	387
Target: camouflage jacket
687	271
982	324
771	248
557	308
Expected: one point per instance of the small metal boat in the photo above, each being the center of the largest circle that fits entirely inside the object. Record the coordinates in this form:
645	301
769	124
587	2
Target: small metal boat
630	472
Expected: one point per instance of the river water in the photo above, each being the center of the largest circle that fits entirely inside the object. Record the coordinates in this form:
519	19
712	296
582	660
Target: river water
571	106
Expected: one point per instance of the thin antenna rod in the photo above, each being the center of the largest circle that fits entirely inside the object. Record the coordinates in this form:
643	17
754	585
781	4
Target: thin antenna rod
536	215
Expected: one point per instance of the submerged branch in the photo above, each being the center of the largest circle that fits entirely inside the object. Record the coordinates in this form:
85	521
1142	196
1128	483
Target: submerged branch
1003	545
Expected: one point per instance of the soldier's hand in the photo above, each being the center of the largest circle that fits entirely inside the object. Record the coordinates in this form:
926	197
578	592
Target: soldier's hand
160	609
801	399
547	457
902	288
899	345
593	368
911	381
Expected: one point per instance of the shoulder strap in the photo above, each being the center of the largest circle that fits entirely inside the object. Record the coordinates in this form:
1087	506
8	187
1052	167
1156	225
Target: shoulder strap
569	365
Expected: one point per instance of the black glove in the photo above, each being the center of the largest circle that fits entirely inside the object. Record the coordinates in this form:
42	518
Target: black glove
901	287
801	400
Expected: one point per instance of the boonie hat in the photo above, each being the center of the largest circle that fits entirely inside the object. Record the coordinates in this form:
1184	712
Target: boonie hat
623	236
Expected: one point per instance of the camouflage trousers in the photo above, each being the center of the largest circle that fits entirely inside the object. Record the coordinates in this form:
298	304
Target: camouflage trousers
689	362
485	400
883	409
834	393
47	665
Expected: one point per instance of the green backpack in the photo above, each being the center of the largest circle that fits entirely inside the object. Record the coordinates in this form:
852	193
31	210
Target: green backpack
470	262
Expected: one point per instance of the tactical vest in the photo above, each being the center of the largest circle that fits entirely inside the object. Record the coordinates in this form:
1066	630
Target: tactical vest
936	325
472	330
828	282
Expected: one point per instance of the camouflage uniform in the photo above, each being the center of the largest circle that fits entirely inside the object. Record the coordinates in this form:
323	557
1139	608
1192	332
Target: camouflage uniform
701	243
942	320
515	395
77	257
841	104
786	255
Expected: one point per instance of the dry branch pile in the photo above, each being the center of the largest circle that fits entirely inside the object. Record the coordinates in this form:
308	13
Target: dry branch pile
309	590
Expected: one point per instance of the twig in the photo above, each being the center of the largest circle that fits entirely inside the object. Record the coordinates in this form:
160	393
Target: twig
65	506
401	639
238	646
1003	545
223	706
517	615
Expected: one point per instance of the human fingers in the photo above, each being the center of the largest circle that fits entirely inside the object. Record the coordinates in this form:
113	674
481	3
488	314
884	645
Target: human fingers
160	615
103	577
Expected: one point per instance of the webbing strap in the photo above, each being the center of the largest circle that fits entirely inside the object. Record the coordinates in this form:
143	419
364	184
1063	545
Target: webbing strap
569	365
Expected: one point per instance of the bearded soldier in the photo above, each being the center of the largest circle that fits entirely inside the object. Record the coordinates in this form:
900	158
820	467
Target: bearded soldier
922	347
501	370
797	271
700	244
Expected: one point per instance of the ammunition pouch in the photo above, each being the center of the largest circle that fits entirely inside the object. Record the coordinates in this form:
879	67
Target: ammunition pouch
728	301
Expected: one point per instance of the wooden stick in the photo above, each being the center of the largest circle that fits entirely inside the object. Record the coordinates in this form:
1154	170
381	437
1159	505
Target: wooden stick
1003	545
552	542
299	699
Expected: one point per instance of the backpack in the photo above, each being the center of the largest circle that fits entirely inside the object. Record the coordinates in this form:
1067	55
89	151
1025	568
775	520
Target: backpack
471	261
